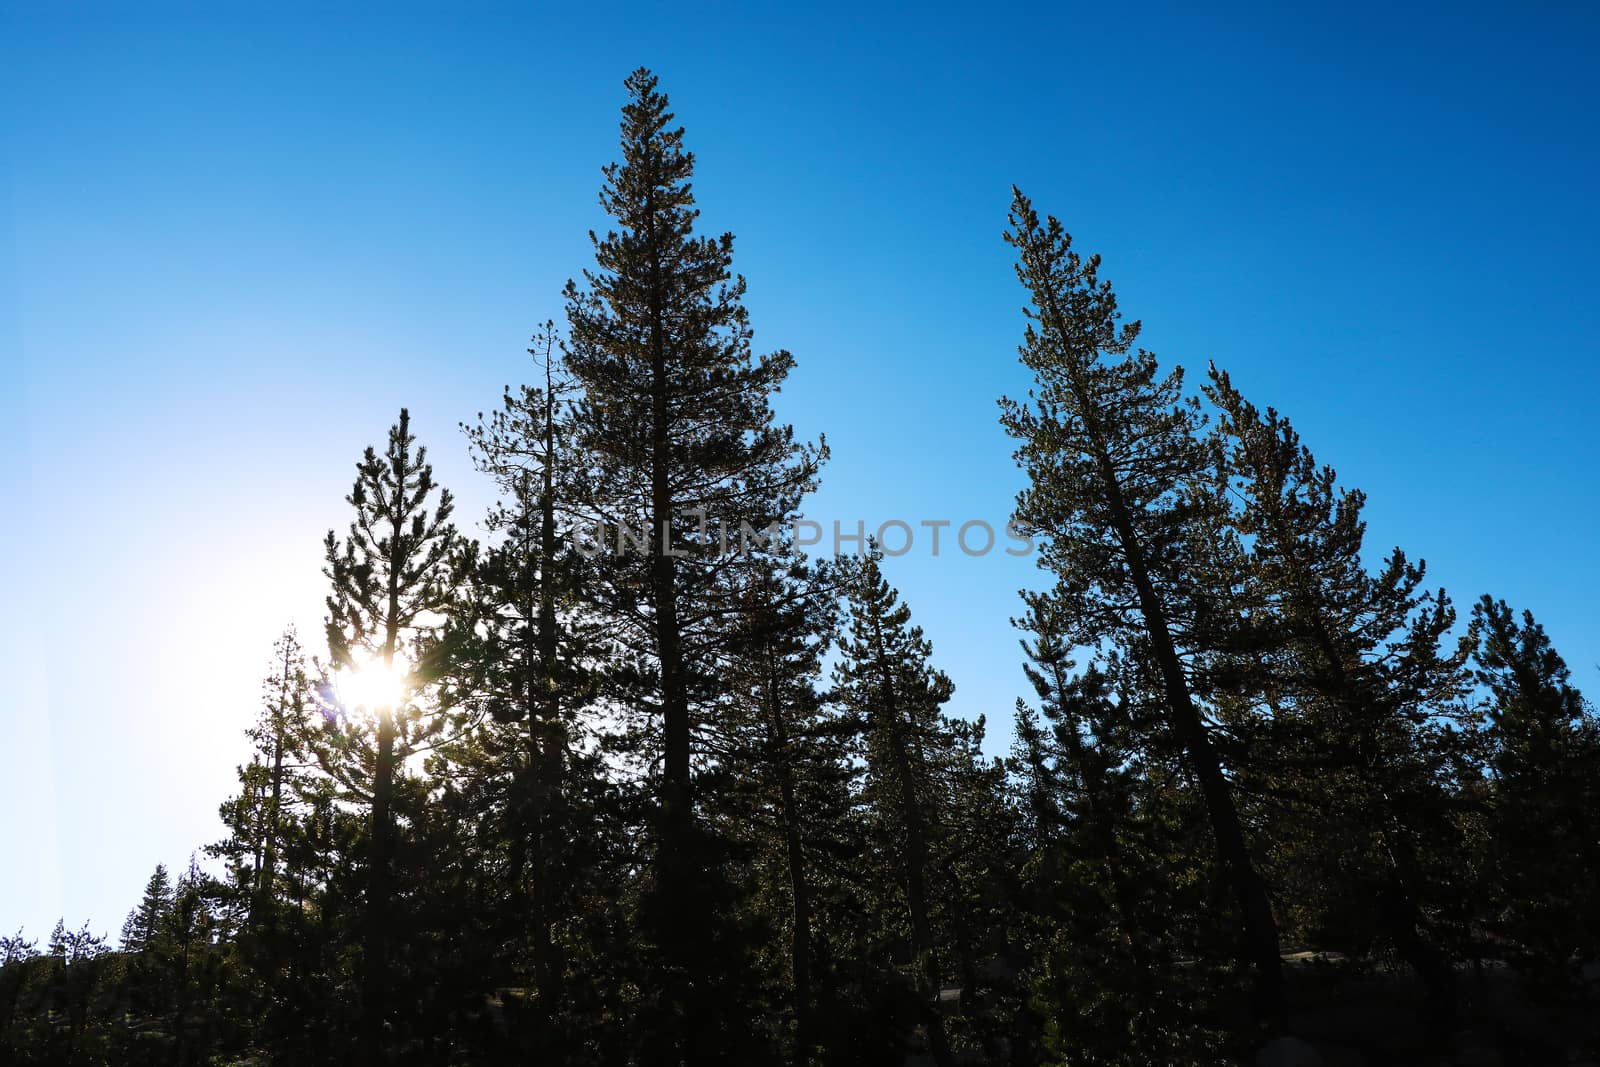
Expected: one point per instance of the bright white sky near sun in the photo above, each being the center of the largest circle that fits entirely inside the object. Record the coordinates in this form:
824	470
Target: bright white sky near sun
233	249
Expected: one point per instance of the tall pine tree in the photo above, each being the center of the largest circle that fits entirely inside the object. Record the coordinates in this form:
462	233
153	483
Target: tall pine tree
677	429
530	657
390	578
1112	453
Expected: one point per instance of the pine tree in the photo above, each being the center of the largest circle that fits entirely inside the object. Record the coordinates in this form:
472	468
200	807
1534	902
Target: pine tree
978	864
785	761
17	962
145	922
189	935
1352	667
279	744
318	928
884	680
258	817
76	973
528	656
1112	453
266	902
676	428
1118	944
390	579
1543	744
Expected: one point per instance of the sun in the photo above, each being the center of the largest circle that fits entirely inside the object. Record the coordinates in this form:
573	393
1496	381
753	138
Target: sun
373	685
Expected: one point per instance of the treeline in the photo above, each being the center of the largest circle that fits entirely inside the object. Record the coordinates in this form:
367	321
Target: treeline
677	805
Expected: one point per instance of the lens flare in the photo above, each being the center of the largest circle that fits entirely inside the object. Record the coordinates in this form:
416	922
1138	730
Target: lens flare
374	685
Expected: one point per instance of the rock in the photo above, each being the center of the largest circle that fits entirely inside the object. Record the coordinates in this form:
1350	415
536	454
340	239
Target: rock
1288	1052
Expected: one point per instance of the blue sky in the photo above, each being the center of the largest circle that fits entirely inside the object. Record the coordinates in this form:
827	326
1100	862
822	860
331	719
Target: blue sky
234	245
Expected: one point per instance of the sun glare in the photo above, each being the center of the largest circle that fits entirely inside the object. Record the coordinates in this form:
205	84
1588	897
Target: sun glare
374	684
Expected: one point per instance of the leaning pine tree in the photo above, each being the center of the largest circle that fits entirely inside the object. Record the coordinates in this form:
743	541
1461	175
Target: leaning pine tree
676	429
1111	449
1352	666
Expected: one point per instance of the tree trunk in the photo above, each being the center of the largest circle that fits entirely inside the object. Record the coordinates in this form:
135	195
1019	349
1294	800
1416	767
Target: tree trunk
376	979
799	888
262	906
679	906
1260	949
800	940
546	729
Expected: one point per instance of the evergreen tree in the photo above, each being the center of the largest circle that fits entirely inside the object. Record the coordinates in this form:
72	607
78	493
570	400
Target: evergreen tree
1119	947
978	864
1352	667
311	1006
275	902
884	681
1113	457
611	814
676	428
17	960
77	968
1543	745
144	923
529	650
390	579
258	817
786	778
189	947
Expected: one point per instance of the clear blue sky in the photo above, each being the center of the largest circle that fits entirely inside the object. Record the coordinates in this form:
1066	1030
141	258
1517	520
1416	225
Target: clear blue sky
233	246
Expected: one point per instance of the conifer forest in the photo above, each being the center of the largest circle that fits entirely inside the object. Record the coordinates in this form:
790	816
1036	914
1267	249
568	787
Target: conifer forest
630	771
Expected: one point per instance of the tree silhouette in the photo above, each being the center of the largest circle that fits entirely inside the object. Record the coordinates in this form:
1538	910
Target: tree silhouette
677	429
390	578
658	788
1112	454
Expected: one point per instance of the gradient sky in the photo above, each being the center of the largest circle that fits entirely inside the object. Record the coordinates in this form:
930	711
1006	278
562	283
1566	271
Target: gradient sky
233	246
